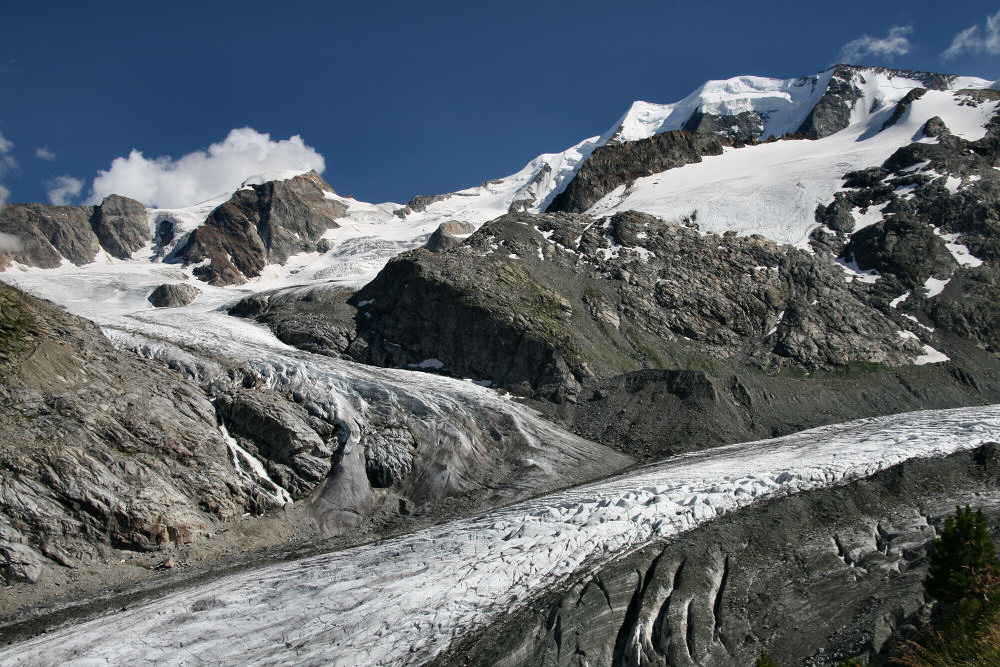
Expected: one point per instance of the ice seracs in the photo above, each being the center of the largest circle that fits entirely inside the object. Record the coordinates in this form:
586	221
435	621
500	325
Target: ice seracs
404	600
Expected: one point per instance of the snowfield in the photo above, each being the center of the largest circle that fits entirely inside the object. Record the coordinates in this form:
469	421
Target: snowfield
402	601
773	189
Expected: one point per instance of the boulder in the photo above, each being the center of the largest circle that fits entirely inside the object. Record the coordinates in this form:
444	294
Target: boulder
173	295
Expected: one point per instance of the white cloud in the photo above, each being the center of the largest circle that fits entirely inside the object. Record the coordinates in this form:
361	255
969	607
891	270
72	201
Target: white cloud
45	154
894	44
7	163
9	241
166	183
976	40
63	190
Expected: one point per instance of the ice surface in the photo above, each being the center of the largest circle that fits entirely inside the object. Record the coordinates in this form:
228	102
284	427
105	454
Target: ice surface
404	600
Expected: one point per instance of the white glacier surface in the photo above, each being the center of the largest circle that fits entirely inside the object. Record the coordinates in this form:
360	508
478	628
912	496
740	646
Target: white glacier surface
402	601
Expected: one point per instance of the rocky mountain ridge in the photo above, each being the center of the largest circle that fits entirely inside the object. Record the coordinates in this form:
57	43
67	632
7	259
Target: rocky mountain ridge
48	235
645	335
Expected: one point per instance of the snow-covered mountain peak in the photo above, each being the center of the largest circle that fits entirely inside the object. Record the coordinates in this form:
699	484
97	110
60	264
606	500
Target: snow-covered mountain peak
749	191
782	105
762	106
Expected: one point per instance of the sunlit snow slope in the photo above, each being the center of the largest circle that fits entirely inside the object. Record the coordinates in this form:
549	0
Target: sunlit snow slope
773	188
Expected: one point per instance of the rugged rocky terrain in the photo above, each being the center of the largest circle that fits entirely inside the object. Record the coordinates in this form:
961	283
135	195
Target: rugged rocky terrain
108	457
811	578
409	350
101	450
49	234
262	224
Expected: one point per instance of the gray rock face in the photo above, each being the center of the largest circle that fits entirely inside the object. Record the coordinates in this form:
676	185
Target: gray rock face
47	234
903	247
833	111
746	126
320	319
173	295
512	337
447	235
811	578
120	225
421	202
551	320
613	165
908	247
741	338
283	434
260	225
100	449
653	413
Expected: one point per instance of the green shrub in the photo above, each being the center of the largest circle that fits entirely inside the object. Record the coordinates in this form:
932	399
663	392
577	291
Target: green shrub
765	660
962	561
968	638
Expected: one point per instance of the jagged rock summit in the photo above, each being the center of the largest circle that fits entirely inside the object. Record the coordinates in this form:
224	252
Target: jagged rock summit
47	235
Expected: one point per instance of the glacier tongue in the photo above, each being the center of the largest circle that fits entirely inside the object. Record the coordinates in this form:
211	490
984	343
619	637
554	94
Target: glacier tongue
404	600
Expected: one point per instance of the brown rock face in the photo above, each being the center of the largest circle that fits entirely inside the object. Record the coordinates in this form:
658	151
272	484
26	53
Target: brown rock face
48	234
262	224
120	225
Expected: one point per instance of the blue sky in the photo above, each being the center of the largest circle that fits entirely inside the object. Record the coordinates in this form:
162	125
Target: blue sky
397	99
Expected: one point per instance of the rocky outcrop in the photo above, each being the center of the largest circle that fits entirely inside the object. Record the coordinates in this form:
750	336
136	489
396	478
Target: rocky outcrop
513	306
120	225
937	199
46	235
904	247
811	578
420	203
173	295
643	335
283	435
449	235
100	450
484	319
261	224
746	126
609	167
833	111
319	319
